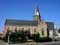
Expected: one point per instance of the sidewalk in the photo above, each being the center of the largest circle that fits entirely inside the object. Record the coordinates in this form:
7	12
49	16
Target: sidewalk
3	43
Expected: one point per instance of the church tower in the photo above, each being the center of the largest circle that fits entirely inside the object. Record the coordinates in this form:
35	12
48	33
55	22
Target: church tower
36	16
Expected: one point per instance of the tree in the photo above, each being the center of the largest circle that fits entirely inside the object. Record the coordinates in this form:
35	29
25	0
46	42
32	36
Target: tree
18	36
36	37
5	38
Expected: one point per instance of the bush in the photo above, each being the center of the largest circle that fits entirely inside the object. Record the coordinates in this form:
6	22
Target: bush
5	39
14	37
18	37
45	39
36	37
0	38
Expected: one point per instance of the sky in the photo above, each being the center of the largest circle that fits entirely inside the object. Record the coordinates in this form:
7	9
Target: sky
24	10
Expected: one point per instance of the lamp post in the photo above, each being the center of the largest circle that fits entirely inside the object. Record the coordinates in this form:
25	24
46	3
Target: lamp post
9	36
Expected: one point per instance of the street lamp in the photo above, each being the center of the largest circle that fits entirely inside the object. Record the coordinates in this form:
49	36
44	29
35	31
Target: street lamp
8	38
9	33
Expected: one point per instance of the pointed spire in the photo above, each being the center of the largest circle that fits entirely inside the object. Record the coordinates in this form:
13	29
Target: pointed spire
36	12
36	9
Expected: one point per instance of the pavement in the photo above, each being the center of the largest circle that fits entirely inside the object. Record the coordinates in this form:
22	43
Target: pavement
32	43
3	43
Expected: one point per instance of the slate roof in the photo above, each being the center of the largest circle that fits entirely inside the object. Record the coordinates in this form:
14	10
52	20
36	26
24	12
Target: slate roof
20	22
50	25
27	22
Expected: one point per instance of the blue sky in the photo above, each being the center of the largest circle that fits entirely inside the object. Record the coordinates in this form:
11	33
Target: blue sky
24	10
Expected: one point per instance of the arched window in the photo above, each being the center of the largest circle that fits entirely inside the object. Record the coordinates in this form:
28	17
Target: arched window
19	28
22	29
28	28
34	29
8	29
15	29
28	31
42	31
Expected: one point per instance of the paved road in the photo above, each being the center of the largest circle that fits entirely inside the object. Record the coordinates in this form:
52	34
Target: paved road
54	43
50	43
3	43
47	43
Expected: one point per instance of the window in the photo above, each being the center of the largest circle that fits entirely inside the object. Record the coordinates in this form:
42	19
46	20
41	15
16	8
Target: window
22	29
8	29
15	29
29	29
19	28
42	31
34	29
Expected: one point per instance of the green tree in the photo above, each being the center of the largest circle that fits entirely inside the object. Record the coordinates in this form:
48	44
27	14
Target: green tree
36	37
18	36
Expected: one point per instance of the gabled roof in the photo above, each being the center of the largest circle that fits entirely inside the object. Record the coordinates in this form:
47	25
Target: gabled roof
20	22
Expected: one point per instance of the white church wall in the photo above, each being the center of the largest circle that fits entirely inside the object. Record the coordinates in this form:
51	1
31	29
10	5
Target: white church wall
50	33
58	34
12	28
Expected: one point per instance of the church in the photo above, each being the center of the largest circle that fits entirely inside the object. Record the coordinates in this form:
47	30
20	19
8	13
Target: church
35	25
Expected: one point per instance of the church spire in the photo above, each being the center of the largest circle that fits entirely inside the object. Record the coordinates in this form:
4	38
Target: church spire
36	12
36	9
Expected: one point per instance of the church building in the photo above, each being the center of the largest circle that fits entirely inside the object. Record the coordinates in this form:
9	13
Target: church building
35	25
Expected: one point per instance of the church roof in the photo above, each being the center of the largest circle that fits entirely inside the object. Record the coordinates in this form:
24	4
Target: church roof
50	25
21	22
